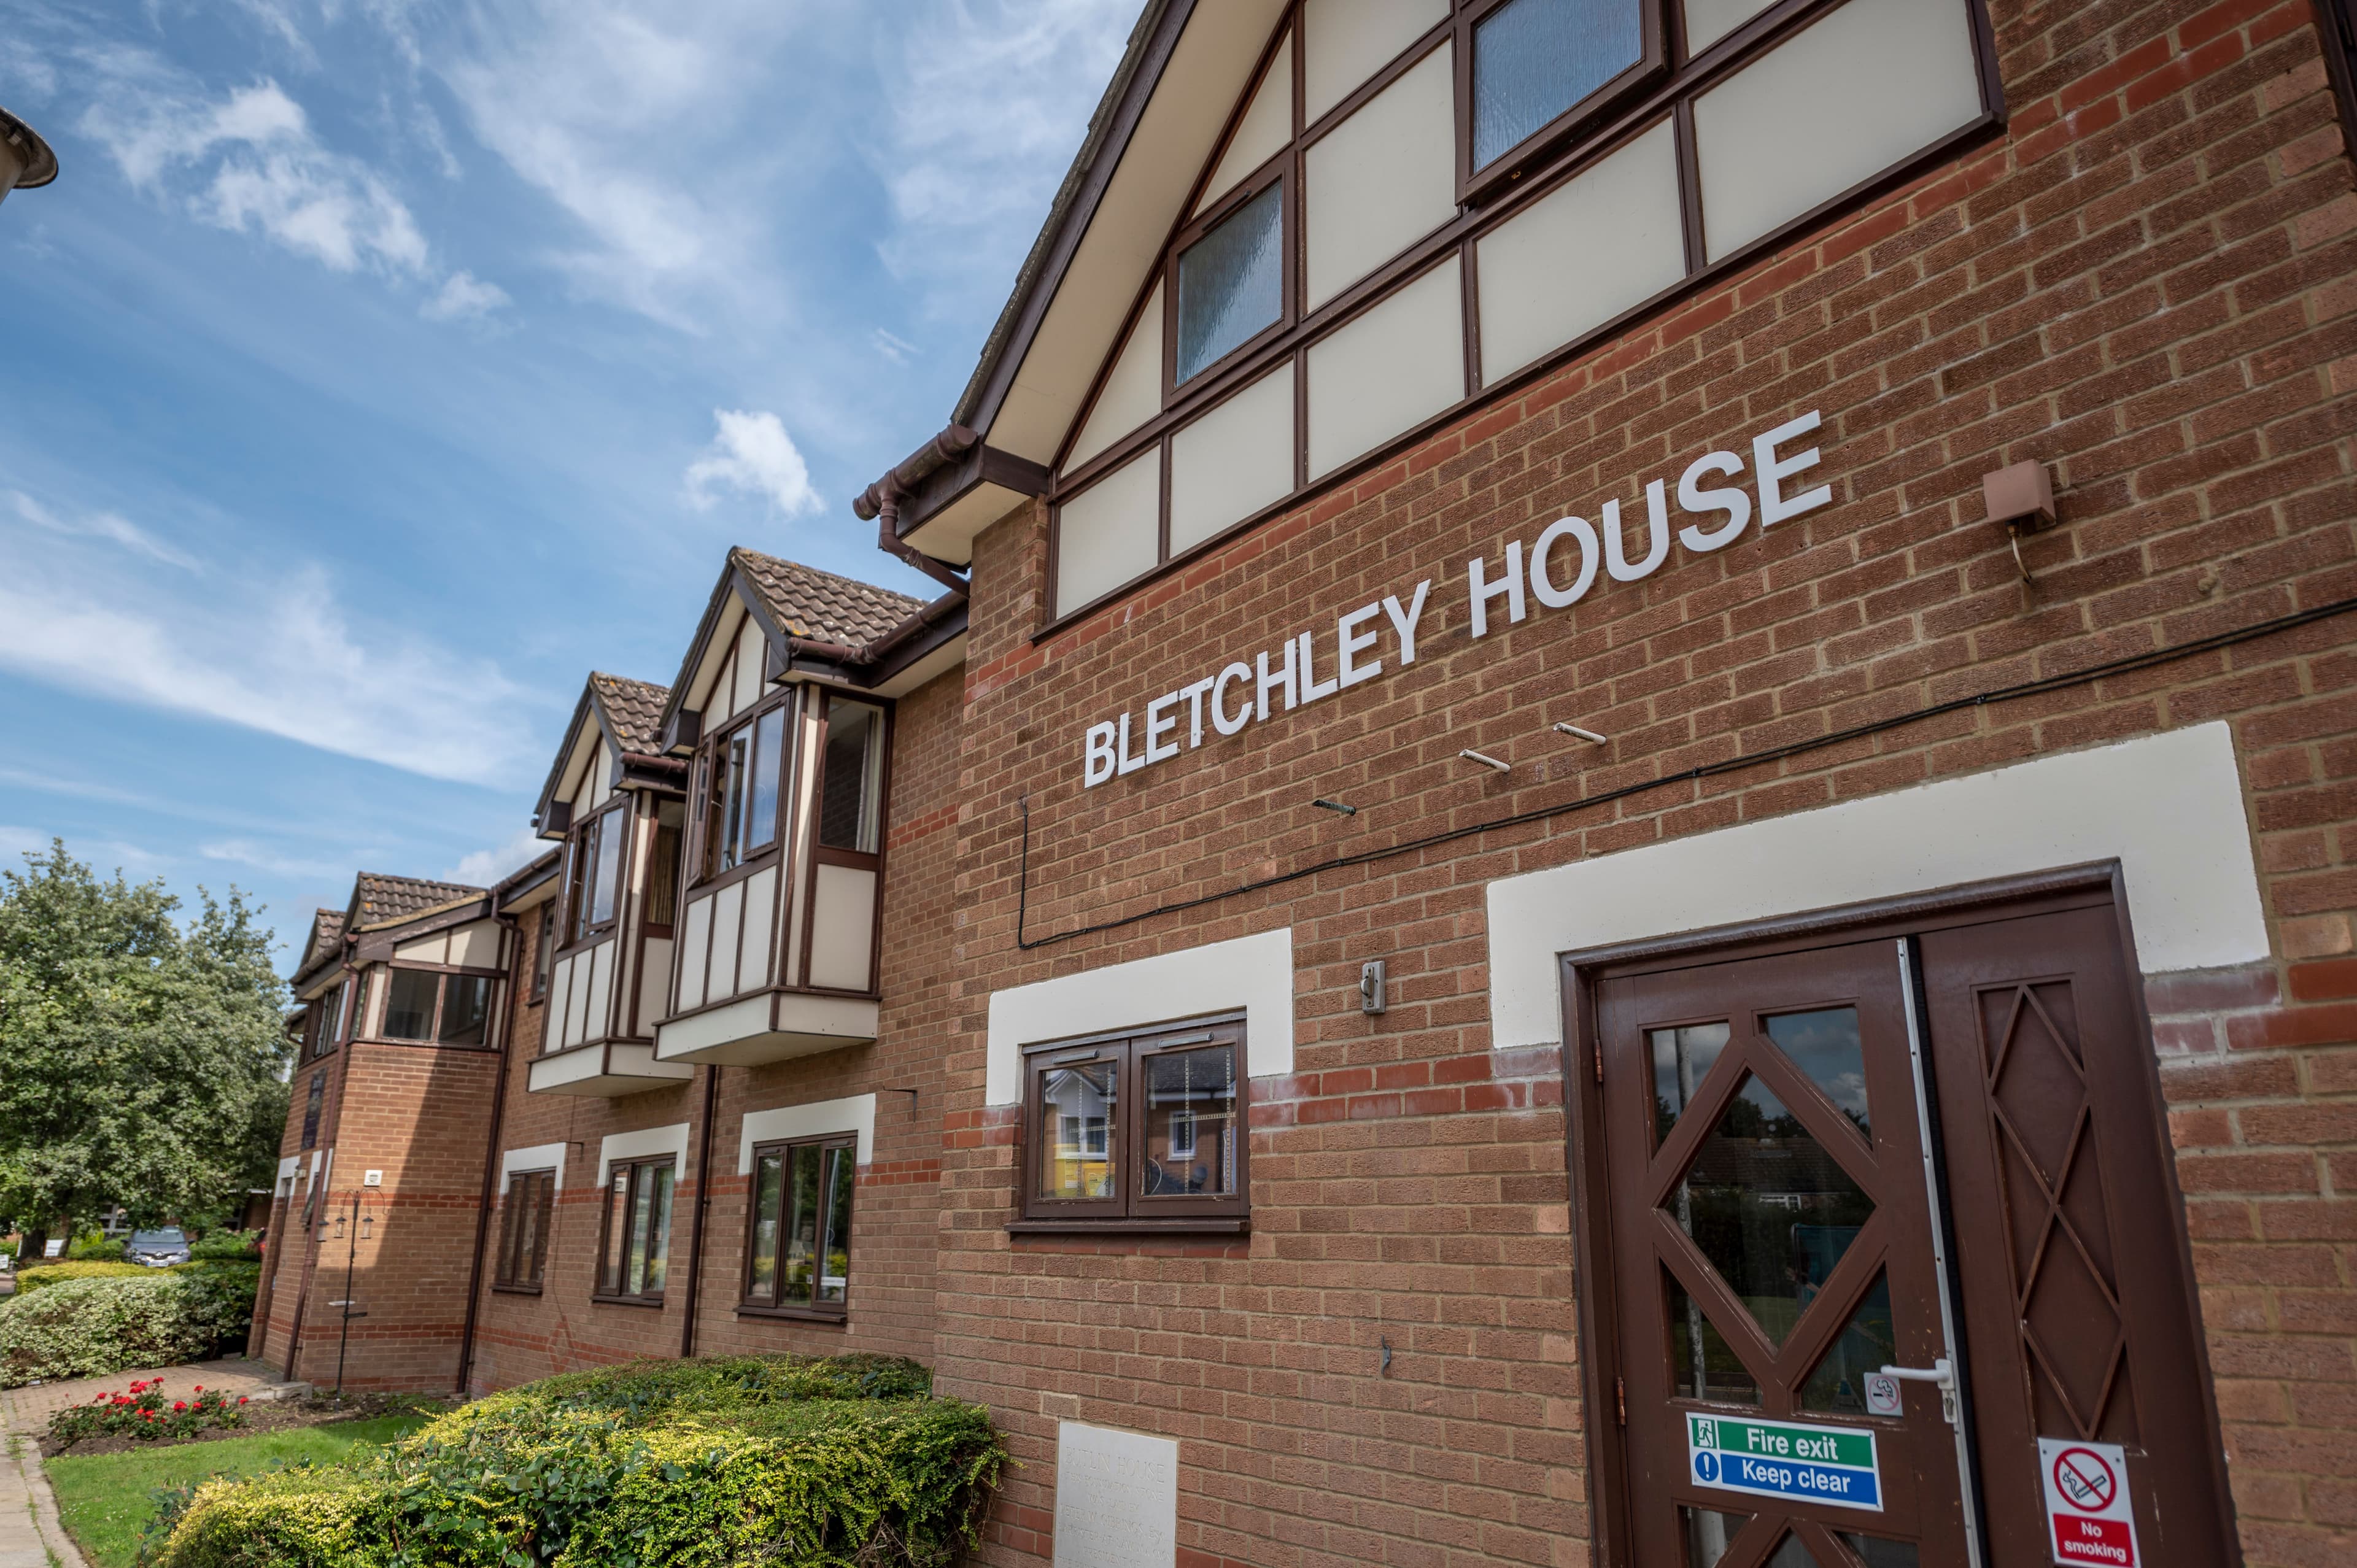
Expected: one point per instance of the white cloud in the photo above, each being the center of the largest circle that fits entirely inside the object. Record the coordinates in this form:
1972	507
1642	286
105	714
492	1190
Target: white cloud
485	867
263	857
893	346
252	163
989	102
464	297
16	842
753	453
105	525
274	653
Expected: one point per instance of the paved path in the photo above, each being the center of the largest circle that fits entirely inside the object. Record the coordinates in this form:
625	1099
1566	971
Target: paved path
30	1536
28	1410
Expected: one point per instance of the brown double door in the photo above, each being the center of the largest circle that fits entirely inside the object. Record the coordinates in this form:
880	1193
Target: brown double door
1932	1138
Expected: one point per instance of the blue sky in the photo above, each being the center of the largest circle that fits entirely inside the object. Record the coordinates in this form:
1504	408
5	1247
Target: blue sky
376	369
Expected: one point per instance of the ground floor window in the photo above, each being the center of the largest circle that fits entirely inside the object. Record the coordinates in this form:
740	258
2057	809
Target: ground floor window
797	1251
1145	1129
523	1230
635	1250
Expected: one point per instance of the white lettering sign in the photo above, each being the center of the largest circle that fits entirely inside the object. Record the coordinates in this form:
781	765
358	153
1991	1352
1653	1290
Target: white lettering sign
1557	570
1116	1498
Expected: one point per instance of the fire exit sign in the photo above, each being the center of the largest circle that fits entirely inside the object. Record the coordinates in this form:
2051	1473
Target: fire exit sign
1831	1464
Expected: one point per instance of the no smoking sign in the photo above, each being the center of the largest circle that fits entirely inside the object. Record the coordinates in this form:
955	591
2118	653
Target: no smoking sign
2087	1507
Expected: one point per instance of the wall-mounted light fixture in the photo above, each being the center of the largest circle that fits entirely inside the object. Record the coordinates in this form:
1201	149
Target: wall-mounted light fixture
1336	806
1588	736
2021	497
1486	761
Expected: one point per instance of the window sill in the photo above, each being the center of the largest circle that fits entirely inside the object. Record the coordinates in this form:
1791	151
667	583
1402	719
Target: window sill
794	1313
515	1290
654	1303
1202	1226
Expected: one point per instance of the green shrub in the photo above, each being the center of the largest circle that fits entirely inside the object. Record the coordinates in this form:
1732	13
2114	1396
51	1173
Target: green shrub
95	1248
42	1275
227	1246
88	1327
841	1463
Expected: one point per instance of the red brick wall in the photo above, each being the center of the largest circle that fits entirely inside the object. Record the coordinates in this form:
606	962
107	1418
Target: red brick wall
2146	284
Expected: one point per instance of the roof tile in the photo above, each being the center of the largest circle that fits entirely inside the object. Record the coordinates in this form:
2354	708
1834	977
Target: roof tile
811	603
636	708
378	897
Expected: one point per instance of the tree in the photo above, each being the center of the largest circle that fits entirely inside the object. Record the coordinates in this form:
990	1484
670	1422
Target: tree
141	1062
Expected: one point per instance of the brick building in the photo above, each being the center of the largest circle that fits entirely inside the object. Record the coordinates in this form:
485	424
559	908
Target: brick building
1751	602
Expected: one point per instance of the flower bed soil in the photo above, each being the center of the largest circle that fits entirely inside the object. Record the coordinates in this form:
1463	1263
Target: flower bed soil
263	1415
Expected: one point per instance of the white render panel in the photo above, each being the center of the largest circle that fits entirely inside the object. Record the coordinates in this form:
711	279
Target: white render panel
1234	461
2169	807
1132	394
1383	179
539	1157
1400	363
434	949
1255	973
855	1113
599	1021
750	645
728	922
1581	254
1842	100
671	1140
692	957
655	993
715	1025
475	946
1707	21
843	939
1347	41
761	924
1108	532
1267	126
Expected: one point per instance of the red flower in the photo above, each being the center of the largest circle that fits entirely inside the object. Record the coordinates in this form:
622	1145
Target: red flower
179	1404
241	1398
201	1388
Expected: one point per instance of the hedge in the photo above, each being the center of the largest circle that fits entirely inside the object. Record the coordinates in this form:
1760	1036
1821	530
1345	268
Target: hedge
90	1326
58	1274
846	1462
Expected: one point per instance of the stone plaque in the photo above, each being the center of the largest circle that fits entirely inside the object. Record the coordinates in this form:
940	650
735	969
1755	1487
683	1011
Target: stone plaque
1116	1498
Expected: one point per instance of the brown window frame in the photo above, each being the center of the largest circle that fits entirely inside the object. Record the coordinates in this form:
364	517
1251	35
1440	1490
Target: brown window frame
638	1170
530	1195
544	951
748	1303
325	1031
1590	131
315	1100
704	824
1127	1209
444	974
585	861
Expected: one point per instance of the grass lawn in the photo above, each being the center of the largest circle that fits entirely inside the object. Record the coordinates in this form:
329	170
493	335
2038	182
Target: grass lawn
104	1499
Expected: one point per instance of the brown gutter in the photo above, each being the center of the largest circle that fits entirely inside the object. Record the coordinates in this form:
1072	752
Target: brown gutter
491	1152
881	501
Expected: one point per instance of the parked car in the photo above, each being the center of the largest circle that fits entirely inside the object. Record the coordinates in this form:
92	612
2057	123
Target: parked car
158	1249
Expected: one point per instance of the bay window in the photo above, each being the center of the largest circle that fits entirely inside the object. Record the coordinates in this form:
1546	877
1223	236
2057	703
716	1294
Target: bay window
742	781
601	852
1145	1132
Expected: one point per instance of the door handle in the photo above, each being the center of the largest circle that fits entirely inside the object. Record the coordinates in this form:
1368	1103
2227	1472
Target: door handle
1942	1372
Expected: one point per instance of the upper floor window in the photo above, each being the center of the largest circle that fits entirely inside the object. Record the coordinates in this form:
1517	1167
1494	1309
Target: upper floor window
1414	203
663	868
742	774
601	850
326	1020
544	951
432	1005
850	787
1146	1130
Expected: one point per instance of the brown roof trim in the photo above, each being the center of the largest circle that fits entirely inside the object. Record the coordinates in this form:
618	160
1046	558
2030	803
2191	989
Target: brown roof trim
526	877
1110	129
431	913
41	160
